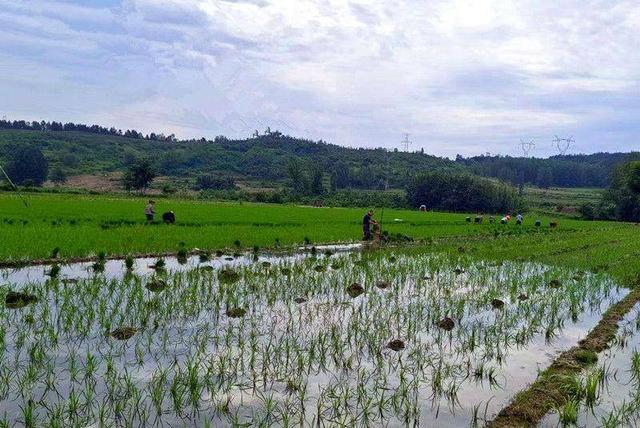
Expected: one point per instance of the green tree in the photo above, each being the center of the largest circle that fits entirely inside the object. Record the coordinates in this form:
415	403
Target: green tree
298	180
139	175
58	176
317	187
461	192
545	178
27	164
624	193
631	173
340	176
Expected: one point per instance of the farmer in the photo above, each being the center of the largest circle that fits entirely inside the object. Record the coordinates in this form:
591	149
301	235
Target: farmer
149	210
367	221
519	219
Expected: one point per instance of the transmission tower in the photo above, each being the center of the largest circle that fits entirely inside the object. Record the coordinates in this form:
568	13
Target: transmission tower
563	144
406	142
526	147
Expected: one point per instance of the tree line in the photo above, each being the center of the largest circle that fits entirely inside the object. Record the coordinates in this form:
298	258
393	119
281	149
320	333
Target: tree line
54	126
593	170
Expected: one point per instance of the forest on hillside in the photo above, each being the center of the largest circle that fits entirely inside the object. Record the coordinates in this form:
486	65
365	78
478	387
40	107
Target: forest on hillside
593	170
91	149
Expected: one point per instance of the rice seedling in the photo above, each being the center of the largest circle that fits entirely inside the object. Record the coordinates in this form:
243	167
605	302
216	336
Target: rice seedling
568	413
591	388
129	262
350	339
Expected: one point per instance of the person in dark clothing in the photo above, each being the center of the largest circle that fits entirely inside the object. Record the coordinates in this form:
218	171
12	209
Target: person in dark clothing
367	221
169	217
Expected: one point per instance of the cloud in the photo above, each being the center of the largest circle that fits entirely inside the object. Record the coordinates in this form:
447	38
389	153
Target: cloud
462	76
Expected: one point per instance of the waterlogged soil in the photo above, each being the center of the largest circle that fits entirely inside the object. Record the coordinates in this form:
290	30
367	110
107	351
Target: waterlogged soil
287	342
618	396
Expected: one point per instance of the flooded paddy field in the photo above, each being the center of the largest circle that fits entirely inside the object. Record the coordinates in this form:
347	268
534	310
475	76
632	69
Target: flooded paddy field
332	338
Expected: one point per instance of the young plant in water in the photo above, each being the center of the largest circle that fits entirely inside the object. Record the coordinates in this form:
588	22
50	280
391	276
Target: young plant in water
129	261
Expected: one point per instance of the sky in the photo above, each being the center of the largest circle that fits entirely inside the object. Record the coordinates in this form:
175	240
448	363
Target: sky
460	76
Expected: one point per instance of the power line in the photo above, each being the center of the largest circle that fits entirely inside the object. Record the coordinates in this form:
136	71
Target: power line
406	142
526	146
563	144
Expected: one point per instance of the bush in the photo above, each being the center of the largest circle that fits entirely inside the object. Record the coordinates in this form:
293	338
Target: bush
58	176
27	166
214	182
168	189
462	192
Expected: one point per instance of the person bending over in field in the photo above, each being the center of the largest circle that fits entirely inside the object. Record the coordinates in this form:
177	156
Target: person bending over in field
149	211
367	222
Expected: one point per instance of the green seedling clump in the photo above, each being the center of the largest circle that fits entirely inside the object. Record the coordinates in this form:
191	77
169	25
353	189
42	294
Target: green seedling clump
586	356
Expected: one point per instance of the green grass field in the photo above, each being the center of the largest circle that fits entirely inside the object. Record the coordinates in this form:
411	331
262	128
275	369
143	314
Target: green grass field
85	225
563	200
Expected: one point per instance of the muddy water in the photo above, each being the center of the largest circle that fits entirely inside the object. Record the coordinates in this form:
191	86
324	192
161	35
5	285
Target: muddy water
517	368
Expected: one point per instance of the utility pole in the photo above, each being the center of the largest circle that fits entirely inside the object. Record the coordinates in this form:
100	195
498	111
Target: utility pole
563	144
406	142
526	147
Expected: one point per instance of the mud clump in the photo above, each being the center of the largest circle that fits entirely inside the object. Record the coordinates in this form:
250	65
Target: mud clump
228	276
236	312
383	284
123	333
17	300
497	304
523	297
555	283
396	345
299	300
446	324
156	285
355	289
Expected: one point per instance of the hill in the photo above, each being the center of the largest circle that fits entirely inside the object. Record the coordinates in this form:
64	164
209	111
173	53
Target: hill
264	157
264	160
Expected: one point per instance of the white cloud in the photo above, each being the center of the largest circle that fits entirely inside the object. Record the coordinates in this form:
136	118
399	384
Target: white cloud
352	72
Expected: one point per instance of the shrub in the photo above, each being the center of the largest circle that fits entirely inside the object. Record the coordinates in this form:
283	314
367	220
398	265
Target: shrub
214	182
462	192
27	166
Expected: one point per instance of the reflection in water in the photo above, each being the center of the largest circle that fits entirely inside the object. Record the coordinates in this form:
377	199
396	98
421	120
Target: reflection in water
287	340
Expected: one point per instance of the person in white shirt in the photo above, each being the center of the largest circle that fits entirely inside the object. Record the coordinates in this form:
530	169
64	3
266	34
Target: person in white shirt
149	211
